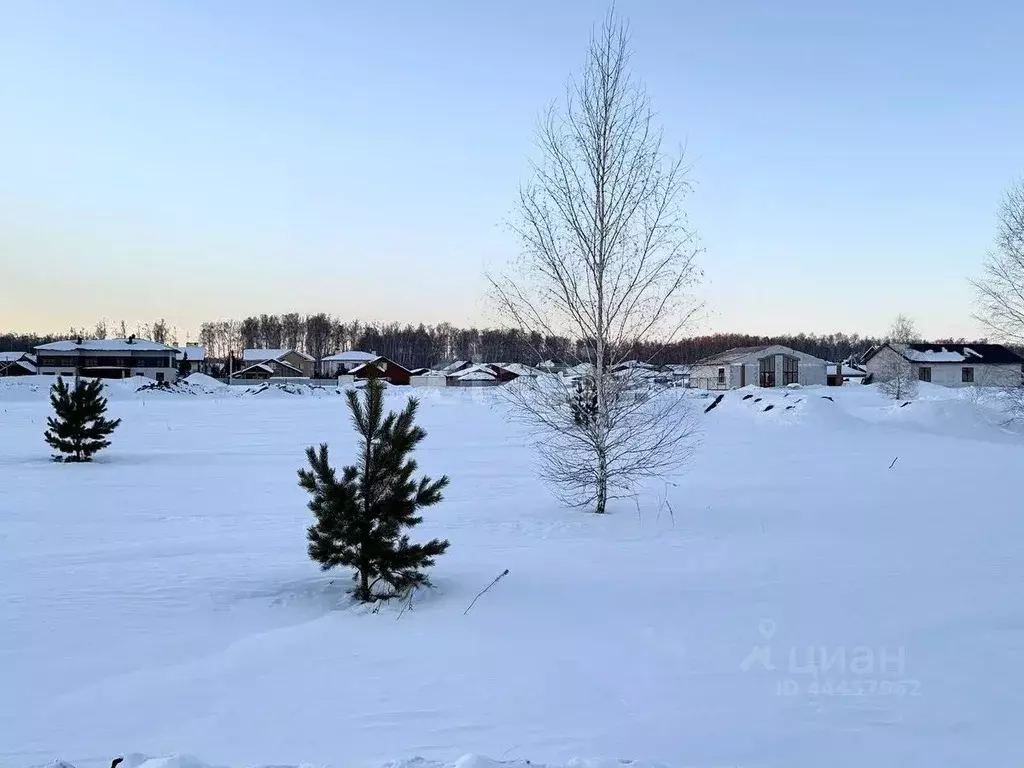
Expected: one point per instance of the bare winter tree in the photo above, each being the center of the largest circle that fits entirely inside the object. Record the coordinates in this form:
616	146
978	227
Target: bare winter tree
270	331
292	326
318	336
896	373
607	259
100	332
903	331
1001	291
160	332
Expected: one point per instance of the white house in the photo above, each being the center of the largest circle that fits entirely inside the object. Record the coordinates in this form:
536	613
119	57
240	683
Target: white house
108	358
951	365
765	366
343	362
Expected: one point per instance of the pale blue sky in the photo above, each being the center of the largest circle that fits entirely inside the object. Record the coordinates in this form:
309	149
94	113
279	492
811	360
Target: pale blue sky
196	159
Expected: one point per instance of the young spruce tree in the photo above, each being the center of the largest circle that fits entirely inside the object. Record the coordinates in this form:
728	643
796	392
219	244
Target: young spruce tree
78	428
362	517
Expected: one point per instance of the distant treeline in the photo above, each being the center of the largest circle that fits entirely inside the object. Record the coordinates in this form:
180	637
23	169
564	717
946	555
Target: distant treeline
421	345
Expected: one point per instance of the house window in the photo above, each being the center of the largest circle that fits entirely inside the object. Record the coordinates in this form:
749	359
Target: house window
721	375
766	370
790	370
967	375
924	373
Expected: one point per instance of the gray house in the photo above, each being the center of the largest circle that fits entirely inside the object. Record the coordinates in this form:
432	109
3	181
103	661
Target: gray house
766	366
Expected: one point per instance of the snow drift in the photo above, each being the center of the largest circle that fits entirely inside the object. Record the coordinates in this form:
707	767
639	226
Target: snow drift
793	598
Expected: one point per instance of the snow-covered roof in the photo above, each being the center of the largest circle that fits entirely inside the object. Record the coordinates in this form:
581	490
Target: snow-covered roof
195	354
933	355
351	356
458	365
257	367
475	374
750	354
848	370
581	369
519	369
263	355
548	365
971	353
482	368
13	357
105	345
24	363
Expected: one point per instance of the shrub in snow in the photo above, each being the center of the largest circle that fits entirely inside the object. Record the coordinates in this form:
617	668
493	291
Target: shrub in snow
78	428
362	517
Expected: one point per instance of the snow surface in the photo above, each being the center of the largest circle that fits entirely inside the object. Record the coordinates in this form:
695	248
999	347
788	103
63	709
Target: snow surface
159	602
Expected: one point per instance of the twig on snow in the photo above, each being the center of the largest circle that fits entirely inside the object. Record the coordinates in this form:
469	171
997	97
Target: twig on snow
893	463
408	604
497	578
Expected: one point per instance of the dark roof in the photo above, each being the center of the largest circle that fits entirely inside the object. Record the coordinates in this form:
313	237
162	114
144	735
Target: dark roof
979	354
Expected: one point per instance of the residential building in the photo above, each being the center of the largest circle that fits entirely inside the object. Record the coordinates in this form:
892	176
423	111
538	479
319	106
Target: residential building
196	357
378	368
343	362
17	364
764	366
951	365
108	359
280	362
841	373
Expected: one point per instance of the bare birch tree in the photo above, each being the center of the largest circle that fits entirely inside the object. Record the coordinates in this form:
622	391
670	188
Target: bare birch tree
896	373
607	260
1000	293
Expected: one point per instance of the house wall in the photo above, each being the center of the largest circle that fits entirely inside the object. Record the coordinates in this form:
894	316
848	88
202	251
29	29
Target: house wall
429	381
747	372
951	374
157	374
304	365
810	370
169	374
879	364
706	376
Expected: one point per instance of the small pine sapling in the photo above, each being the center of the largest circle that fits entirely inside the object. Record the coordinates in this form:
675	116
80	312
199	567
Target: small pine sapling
362	517
78	428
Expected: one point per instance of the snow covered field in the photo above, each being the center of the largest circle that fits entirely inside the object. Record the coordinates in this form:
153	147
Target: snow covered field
160	602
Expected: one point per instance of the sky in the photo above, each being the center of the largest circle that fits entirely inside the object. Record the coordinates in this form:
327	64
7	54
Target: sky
197	160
